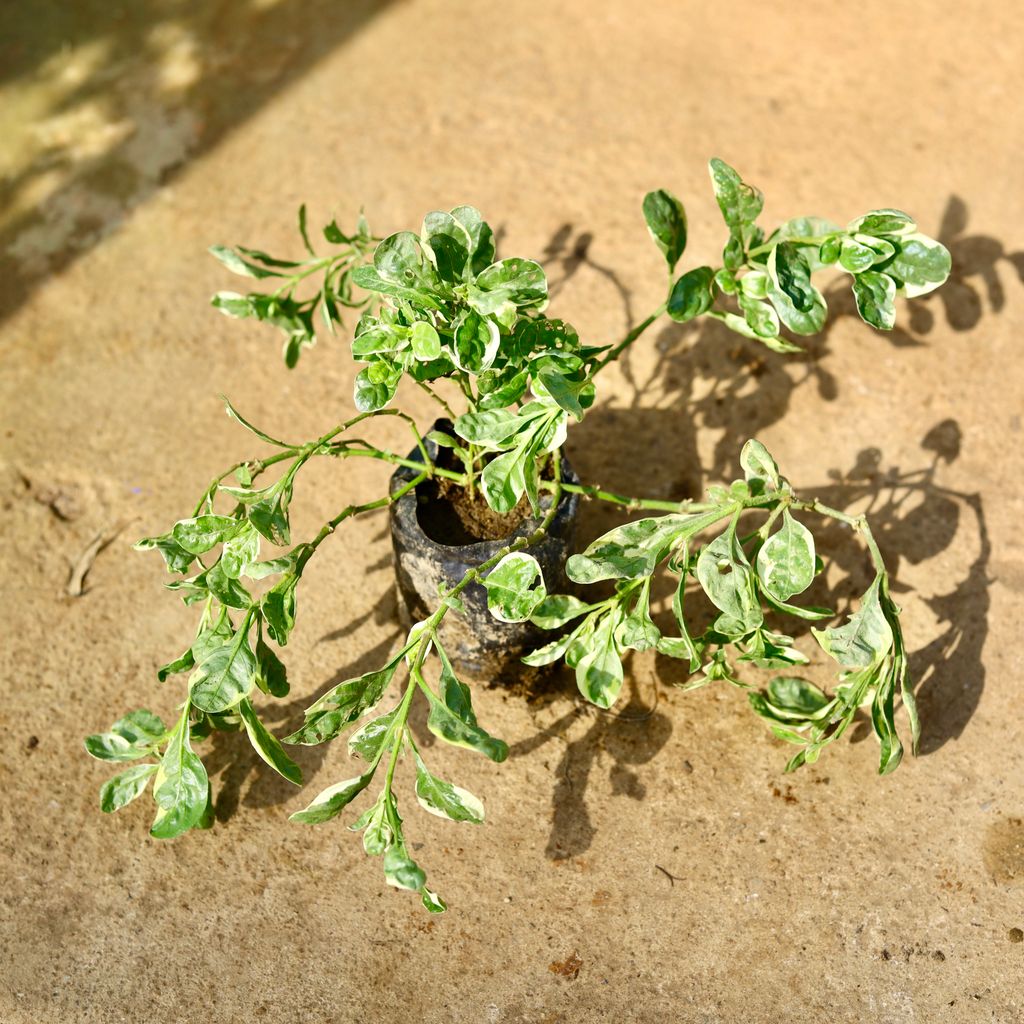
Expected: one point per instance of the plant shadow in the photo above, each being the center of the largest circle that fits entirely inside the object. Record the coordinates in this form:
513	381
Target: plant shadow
619	740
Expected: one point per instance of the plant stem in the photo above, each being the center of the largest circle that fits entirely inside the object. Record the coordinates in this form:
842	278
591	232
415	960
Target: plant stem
354	510
437	398
341	451
800	240
398	725
631	504
303	453
628	340
858	523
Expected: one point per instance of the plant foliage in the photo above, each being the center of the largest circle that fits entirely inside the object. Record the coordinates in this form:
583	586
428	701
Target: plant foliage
439	308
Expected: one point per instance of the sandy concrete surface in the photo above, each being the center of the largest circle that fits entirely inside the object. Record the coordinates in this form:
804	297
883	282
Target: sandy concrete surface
136	134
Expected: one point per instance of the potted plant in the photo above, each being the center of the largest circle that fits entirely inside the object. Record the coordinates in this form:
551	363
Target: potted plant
483	511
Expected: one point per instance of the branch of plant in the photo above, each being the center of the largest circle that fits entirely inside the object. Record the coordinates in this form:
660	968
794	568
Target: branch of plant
612	355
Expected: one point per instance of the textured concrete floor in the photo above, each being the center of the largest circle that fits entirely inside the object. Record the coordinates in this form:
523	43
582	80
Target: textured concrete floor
134	136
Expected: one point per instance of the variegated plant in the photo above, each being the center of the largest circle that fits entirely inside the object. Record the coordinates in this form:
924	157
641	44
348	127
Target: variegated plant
440	310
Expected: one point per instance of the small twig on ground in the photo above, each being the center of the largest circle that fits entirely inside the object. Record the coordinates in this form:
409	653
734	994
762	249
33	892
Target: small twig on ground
668	874
82	565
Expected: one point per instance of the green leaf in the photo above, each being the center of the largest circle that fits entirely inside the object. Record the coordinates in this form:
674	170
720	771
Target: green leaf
124	788
494	428
270	517
796	698
866	637
634	549
181	787
504	478
452	719
883	222
329	803
785	562
727	579
509	388
303	232
754	284
224	677
278	609
480	235
920	263
475	342
790	273
449	243
272	677
759	316
401	871
739	202
599	672
758	464
131	737
804	323
370	741
266	744
829	251
182	663
234	305
237	265
200	534
240	551
445	800
883	723
558	609
515	587
209	639
637	630
228	591
399	260
261	570
378	339
375	385
433	902
692	295
239	418
511	282
666	221
178	560
856	257
108	746
426	344
875	294
572	395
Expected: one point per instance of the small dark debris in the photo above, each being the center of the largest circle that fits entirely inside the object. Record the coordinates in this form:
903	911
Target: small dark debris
1016	935
33	742
687	767
567	968
668	874
939	956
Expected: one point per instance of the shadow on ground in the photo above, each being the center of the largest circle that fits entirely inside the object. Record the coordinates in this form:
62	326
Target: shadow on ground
119	98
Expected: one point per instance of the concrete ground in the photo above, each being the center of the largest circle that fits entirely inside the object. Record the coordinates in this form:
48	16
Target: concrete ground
664	851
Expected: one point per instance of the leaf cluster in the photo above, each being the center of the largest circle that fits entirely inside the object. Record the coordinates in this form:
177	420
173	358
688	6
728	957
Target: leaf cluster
384	738
765	283
749	580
